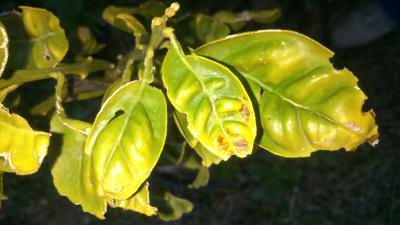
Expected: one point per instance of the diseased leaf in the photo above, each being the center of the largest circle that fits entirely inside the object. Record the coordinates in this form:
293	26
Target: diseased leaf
305	103
209	29
140	202
23	149
219	112
178	207
36	39
71	174
127	139
121	18
208	158
3	48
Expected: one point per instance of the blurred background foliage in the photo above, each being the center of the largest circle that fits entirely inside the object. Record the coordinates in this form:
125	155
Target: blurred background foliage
361	187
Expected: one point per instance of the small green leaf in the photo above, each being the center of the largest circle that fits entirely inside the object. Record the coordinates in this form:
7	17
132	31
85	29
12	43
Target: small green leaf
178	207
305	103
3	48
150	9
36	39
209	29
140	202
23	149
121	18
127	139
5	91
71	174
202	177
219	112
237	20
84	43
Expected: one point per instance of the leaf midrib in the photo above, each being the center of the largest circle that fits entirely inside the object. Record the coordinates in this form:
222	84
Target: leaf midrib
298	105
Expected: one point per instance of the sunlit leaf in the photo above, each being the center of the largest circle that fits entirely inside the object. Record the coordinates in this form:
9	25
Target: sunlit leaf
219	112
140	202
209	29
305	103
177	206
208	158
36	38
23	149
3	48
127	139
71	174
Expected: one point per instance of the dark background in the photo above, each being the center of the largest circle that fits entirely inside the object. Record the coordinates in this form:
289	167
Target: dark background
329	188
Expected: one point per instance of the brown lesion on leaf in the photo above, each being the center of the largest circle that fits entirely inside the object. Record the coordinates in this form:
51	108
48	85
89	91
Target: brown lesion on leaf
241	145
244	111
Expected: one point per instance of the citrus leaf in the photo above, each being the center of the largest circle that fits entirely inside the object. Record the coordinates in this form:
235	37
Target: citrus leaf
202	177
140	202
305	103
178	207
219	112
23	149
208	158
209	29
71	174
3	48
5	91
121	18
36	38
127	139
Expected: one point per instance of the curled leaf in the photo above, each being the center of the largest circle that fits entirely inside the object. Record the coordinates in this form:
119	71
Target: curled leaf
36	38
219	111
305	103
127	139
71	174
177	207
22	148
140	202
3	48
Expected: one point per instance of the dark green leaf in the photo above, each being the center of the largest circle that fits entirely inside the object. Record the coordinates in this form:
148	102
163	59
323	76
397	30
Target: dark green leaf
36	39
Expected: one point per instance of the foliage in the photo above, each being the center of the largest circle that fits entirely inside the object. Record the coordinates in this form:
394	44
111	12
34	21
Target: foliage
271	88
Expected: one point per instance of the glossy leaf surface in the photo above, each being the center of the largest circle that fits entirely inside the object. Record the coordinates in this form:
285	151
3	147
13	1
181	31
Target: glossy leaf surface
36	38
127	139
71	174
140	202
207	157
22	148
219	112
3	48
305	104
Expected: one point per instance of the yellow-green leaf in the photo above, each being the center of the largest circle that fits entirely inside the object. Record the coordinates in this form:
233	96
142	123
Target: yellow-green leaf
3	48
36	38
208	158
177	207
71	174
22	148
209	29
305	103
219	112
127	139
140	202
